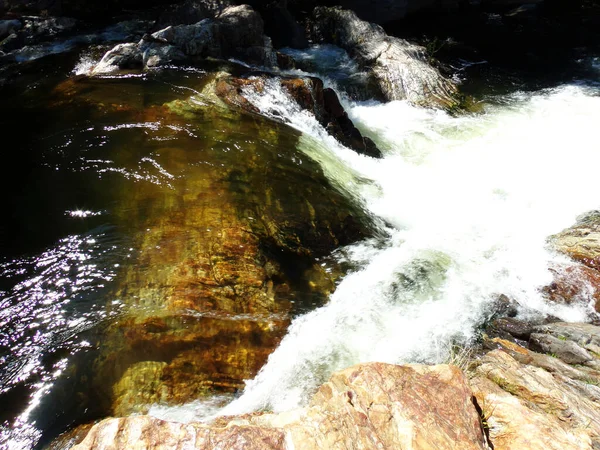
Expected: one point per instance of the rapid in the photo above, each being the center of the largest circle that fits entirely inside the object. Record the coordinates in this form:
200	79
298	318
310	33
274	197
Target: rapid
465	206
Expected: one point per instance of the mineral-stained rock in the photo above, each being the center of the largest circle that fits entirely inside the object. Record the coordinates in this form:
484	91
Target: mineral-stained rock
223	251
581	241
235	32
574	284
526	406
399	68
367	406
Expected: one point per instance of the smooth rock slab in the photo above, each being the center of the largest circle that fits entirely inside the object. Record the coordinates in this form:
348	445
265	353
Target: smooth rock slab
369	406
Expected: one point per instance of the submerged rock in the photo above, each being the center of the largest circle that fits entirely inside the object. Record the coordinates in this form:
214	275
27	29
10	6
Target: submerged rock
401	70
366	406
223	249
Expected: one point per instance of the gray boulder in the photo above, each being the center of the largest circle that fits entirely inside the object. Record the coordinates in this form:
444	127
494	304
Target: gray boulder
123	56
399	69
237	32
7	27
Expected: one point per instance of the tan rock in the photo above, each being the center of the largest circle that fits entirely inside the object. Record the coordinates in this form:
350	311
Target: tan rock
581	241
528	407
369	406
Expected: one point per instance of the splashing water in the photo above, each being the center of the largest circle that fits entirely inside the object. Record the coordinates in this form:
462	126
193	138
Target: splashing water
468	204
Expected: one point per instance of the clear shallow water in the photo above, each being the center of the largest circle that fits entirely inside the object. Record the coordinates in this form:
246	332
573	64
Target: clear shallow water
467	204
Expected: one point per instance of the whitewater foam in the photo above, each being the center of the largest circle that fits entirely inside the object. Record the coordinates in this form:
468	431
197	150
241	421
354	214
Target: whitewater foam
468	204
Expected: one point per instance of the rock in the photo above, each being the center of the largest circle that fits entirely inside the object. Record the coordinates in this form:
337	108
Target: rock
366	406
7	27
400	69
190	12
575	284
309	94
123	56
585	335
581	241
339	125
520	329
568	351
527	407
154	55
237	32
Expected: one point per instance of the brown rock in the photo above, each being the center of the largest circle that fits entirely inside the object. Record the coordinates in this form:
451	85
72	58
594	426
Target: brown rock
576	283
221	251
581	241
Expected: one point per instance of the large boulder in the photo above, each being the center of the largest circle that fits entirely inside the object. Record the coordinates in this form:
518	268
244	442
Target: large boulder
366	406
236	32
400	69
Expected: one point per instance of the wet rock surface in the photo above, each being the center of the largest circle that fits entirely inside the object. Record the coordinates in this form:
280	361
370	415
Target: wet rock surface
399	69
226	255
310	95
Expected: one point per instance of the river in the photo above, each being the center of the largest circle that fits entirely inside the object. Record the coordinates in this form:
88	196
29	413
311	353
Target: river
461	210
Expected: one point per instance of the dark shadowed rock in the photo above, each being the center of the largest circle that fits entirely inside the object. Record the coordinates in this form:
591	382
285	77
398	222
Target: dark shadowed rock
400	69
236	32
190	12
282	27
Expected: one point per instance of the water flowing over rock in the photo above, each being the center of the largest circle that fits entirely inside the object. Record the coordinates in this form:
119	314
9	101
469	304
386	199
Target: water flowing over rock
226	251
366	406
236	32
310	95
400	69
582	243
